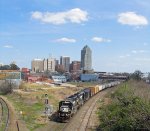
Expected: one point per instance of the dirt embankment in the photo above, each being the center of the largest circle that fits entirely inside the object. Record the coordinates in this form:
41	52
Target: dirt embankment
14	122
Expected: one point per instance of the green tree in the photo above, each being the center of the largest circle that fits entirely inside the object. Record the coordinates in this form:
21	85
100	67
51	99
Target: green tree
9	67
137	75
14	67
5	67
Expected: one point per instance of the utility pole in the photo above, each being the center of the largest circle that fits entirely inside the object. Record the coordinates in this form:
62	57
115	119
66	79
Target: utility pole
46	105
48	108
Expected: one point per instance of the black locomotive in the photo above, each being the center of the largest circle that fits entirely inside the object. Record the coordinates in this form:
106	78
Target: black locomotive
69	106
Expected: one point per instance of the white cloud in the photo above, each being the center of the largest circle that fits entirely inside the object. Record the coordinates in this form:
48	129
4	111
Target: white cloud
124	56
75	15
132	19
100	39
66	40
142	51
8	46
134	51
138	51
128	55
143	59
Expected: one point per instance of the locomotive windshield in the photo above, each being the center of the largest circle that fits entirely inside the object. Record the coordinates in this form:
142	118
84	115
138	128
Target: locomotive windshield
65	103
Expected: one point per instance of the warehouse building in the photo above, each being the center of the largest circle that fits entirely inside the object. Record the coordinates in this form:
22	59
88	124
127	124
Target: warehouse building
89	77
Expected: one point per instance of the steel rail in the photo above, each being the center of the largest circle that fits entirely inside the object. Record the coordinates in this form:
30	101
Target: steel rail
2	101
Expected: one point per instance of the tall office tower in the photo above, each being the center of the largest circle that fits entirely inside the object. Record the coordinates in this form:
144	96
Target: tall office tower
37	65
65	61
86	58
45	65
56	62
57	65
51	64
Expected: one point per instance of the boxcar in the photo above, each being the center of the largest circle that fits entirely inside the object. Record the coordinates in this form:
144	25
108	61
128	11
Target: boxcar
87	94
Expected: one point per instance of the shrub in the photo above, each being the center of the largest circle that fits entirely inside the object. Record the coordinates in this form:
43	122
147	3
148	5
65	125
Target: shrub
7	87
126	112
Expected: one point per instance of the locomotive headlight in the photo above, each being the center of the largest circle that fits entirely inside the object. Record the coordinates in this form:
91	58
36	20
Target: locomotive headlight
64	109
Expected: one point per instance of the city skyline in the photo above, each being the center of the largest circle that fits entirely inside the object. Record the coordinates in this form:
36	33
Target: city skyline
116	31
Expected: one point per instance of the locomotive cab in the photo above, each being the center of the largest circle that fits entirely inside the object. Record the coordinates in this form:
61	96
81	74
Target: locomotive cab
65	109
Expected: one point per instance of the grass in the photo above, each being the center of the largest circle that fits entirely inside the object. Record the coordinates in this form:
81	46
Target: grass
29	111
25	85
4	117
127	107
31	103
140	89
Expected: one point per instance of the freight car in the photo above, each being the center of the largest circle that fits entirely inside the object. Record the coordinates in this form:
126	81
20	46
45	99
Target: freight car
69	106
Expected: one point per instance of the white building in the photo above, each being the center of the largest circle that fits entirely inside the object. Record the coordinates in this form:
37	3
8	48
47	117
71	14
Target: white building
37	65
59	78
45	65
49	64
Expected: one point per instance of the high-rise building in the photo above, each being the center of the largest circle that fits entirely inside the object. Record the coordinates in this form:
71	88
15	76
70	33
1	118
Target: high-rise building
56	62
65	61
45	65
49	64
86	58
59	68
75	66
37	65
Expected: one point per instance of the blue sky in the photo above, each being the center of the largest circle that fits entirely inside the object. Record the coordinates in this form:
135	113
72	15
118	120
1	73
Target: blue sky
117	31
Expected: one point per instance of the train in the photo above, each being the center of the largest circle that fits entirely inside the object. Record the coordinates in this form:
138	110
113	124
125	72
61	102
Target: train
68	107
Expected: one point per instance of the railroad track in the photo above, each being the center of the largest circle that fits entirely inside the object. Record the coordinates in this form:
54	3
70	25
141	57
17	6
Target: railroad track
4	116
81	120
86	119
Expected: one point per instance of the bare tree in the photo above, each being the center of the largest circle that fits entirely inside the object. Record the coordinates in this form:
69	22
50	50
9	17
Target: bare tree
7	87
